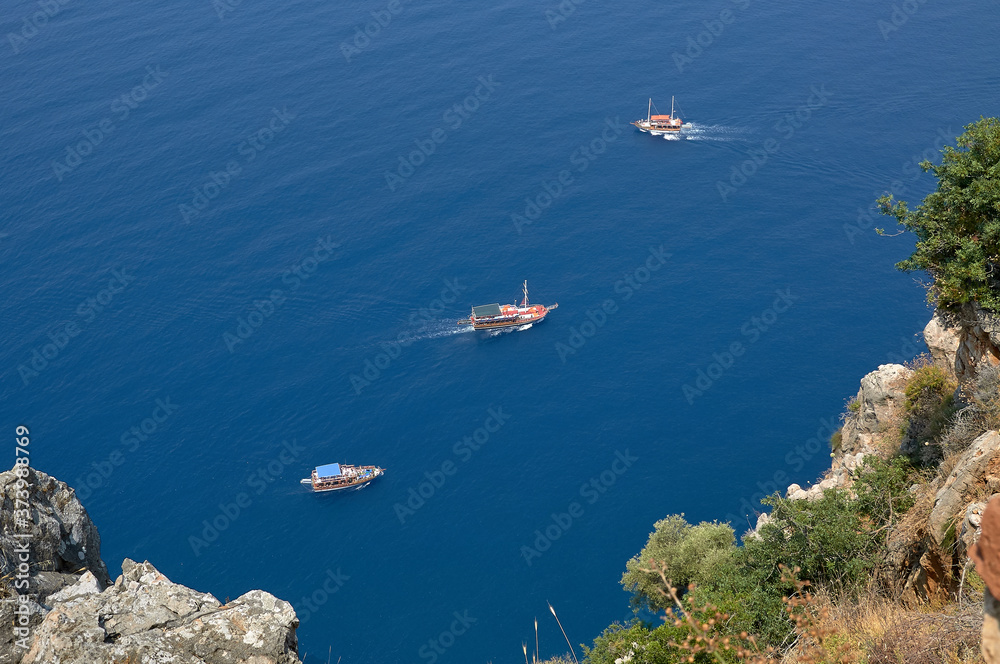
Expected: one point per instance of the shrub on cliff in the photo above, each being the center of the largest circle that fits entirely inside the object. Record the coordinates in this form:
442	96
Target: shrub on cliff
637	643
691	554
958	225
838	540
929	406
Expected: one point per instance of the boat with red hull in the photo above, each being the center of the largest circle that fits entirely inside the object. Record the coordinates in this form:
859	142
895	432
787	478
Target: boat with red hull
493	316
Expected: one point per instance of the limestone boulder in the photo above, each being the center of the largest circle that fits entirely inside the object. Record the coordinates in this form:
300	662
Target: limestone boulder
979	340
64	541
879	401
145	618
943	337
969	474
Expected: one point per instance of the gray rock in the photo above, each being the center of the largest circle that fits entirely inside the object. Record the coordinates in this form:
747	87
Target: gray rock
943	338
144	617
951	499
64	541
968	533
87	585
792	489
879	400
762	520
979	339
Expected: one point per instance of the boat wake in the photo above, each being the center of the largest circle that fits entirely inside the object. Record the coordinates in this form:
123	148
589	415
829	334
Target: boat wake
431	330
693	131
441	329
508	330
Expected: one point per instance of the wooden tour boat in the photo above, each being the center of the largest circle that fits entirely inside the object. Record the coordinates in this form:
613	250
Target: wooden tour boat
337	477
660	125
490	316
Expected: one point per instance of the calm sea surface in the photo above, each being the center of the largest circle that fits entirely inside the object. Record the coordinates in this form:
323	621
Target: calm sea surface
236	237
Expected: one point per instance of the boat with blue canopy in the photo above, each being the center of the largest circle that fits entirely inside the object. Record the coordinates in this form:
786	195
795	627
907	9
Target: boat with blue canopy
340	476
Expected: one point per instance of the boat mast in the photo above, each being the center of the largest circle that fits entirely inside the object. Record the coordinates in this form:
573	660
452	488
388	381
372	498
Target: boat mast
671	107
649	108
525	303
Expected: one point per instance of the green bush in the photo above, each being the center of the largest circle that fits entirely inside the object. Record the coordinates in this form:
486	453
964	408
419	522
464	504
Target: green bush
837	439
928	388
930	405
838	540
639	643
883	489
689	552
828	539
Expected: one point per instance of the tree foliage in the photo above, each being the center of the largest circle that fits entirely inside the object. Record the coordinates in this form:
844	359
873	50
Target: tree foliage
958	225
690	553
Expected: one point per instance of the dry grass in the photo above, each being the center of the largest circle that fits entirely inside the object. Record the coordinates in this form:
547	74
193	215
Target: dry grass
877	631
891	431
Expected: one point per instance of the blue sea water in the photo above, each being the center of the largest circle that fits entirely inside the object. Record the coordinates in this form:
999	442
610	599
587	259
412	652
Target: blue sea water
164	265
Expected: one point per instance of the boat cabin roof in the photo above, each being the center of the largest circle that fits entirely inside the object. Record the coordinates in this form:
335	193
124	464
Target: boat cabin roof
484	310
329	470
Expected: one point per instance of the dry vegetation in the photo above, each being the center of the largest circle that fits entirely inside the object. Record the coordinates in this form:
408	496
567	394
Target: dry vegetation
884	591
874	630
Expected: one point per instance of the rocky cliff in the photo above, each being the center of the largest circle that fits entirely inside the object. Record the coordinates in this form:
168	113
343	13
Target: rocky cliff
930	551
962	341
71	613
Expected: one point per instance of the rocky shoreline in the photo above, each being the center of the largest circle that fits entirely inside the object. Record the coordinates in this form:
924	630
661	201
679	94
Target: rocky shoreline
71	613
